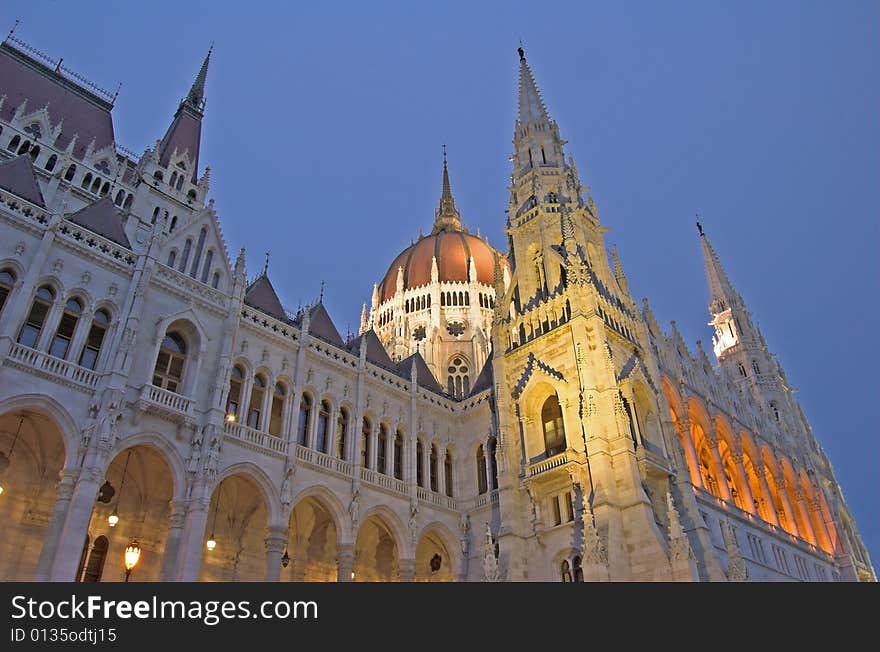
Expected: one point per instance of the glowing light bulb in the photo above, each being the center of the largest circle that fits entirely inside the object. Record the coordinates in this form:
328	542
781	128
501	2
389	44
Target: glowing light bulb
211	543
113	519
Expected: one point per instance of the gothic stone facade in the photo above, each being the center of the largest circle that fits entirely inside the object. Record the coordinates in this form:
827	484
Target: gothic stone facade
498	417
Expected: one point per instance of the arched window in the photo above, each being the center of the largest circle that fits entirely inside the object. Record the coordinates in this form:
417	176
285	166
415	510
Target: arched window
442	299
566	571
173	224
105	188
200	243
95	566
25	146
755	366
35	151
157	175
16	139
170	362
305	417
341	432
179	182
7	282
420	463
206	268
92	348
128	200
33	325
493	462
323	425
554	430
86	181
381	449
458	382
51	162
215	282
66	326
398	455
172	256
366	428
120	197
742	370
184	258
578	570
277	410
433	467
173	179
71	171
255	407
447	472
481	471
96	185
233	399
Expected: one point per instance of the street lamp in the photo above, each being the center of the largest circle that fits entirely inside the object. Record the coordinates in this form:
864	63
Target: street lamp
132	556
113	519
211	543
5	458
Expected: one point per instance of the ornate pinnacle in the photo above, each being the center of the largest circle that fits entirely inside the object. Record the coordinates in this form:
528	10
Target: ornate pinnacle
446	216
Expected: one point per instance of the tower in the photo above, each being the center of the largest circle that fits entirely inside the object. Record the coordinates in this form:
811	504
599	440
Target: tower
744	357
577	387
437	299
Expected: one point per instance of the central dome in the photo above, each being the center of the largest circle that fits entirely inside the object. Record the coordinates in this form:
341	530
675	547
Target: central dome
449	244
453	250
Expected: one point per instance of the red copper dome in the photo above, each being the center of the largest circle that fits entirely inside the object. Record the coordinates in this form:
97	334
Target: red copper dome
453	250
448	243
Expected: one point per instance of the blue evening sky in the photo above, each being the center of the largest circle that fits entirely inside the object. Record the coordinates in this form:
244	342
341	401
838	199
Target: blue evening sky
325	121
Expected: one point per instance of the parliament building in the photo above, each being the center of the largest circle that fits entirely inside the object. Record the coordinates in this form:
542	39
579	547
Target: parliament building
503	414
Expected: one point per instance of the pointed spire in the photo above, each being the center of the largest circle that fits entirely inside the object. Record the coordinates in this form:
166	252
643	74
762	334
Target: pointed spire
446	217
196	96
618	270
184	135
721	293
364	321
531	105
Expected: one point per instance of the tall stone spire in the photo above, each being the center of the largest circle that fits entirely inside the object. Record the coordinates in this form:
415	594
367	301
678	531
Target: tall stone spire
531	105
721	293
185	133
195	99
446	217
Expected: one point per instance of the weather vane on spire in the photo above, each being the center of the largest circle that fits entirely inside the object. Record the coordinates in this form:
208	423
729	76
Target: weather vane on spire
321	294
266	264
699	226
444	153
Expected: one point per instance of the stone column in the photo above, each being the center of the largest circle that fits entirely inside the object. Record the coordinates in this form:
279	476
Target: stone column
789	510
712	442
747	497
800	504
275	543
825	541
441	471
767	498
172	544
345	562
50	544
191	544
690	453
76	525
406	570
